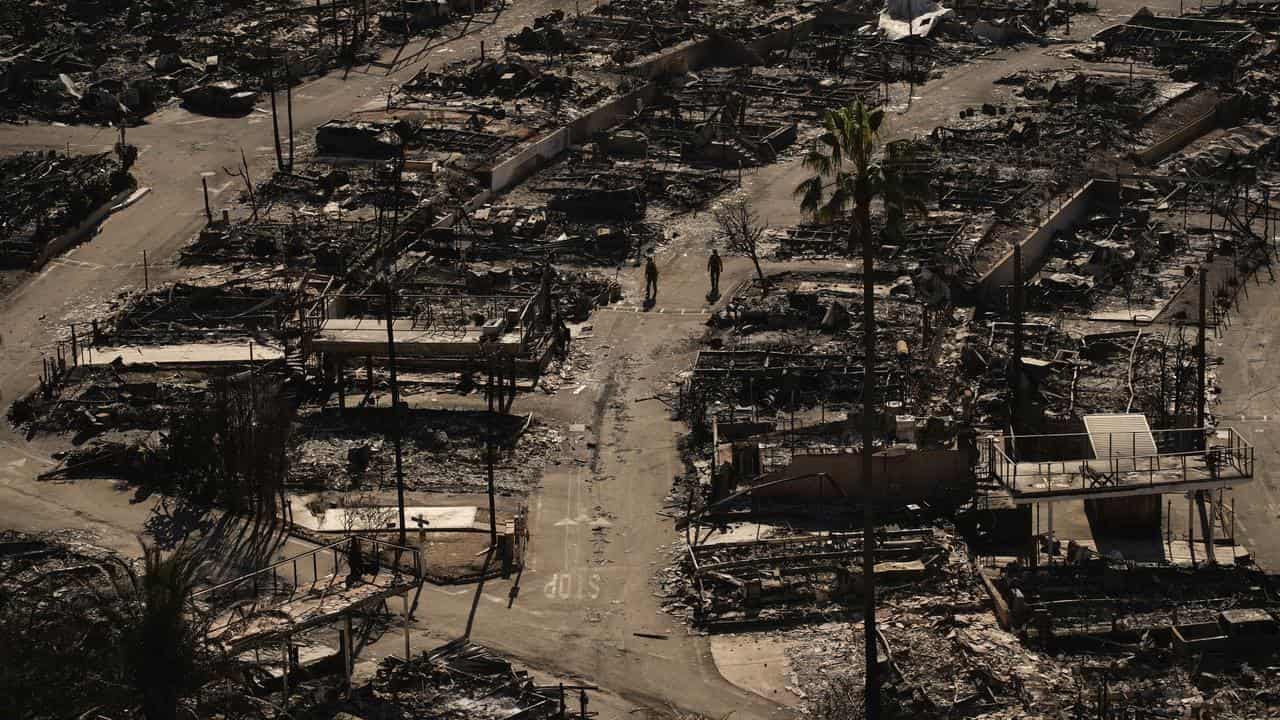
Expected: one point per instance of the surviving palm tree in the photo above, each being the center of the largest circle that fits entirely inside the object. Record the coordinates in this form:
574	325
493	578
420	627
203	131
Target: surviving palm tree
161	648
848	177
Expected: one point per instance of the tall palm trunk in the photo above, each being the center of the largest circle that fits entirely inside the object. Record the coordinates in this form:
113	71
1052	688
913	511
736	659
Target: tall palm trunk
847	178
862	223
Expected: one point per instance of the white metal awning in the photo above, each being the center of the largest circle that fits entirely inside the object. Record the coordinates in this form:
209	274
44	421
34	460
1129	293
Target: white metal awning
1120	435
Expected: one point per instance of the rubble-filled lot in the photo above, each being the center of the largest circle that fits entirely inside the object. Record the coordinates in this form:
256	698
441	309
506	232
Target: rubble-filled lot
444	450
95	399
951	658
794	347
460	680
518	91
49	194
110	62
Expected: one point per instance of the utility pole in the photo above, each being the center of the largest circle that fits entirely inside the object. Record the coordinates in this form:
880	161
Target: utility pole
871	654
1200	363
493	518
288	100
396	423
1015	362
275	124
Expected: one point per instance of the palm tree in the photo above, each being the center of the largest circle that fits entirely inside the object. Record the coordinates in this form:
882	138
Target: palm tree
161	645
848	177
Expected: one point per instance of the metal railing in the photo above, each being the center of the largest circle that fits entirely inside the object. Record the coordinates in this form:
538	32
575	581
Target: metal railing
1226	457
286	580
438	312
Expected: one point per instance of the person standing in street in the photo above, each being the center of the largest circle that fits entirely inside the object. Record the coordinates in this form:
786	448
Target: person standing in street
714	266
650	280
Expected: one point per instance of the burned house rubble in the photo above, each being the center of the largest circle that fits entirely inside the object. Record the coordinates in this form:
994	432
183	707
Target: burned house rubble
53	200
374	360
111	63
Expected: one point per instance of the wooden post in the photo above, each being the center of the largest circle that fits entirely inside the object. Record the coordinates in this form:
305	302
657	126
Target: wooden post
489	460
1191	529
1266	218
407	651
347	659
284	675
1207	497
1051	534
146	273
208	212
340	362
275	123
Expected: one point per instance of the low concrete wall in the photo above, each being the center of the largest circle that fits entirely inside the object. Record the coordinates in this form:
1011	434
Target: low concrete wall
610	113
675	60
1226	114
1003	615
899	476
77	234
784	38
528	159
534	155
1035	247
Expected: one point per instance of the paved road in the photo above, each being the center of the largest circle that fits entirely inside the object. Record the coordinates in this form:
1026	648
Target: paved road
597	534
1250	381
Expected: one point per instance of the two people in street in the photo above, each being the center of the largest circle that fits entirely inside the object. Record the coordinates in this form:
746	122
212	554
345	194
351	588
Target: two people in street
715	266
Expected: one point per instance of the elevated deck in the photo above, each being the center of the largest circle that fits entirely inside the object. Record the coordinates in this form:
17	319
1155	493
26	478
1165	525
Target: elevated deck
455	332
368	336
305	591
1129	468
184	354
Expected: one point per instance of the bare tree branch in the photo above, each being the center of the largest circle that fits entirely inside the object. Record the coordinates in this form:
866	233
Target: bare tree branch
743	231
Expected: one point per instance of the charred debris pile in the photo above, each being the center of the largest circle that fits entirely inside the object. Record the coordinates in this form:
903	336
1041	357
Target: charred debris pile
524	90
107	62
48	195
